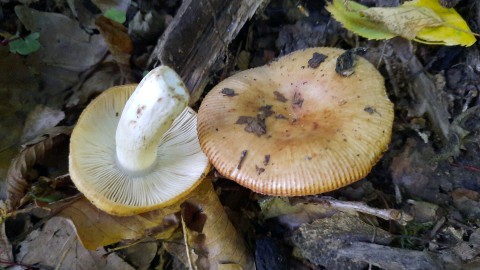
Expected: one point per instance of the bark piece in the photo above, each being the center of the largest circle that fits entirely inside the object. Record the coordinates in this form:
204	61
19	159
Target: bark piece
320	241
198	36
424	90
390	258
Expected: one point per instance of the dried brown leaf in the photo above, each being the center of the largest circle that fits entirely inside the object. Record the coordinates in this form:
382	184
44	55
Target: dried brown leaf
56	246
96	228
57	64
119	44
211	236
17	177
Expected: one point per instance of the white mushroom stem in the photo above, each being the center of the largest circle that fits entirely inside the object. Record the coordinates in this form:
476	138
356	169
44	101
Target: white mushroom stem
159	98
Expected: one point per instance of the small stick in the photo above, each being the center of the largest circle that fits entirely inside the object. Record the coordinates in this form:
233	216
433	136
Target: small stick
387	214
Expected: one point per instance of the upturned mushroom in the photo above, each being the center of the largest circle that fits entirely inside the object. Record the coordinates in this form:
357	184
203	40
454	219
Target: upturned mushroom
297	126
135	149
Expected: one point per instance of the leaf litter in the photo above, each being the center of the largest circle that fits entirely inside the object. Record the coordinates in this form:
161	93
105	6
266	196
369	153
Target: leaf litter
430	172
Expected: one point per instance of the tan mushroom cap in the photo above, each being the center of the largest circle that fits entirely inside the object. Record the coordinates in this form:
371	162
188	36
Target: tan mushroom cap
179	168
321	131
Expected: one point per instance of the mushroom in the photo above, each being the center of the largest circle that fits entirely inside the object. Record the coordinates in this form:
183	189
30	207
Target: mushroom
295	127
136	151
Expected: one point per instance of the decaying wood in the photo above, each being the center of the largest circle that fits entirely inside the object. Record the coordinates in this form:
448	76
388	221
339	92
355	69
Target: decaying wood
424	91
394	258
198	36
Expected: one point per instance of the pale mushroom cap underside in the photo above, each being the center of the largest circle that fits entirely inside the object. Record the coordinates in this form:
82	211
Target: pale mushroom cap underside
179	168
321	131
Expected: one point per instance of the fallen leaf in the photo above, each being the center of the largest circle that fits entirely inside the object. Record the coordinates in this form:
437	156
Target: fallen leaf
18	179
39	119
404	21
96	228
56	246
105	5
210	235
467	202
210	231
453	31
106	75
63	40
352	20
116	15
424	21
115	35
119	44
26	45
18	86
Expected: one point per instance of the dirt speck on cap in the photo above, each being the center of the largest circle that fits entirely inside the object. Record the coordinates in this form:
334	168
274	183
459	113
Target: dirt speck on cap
228	92
316	60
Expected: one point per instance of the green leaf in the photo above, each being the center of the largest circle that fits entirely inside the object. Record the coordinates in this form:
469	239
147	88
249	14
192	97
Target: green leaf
25	46
351	19
116	15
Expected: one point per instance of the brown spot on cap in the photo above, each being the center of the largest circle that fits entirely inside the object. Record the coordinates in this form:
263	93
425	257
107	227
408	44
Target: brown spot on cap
280	97
316	60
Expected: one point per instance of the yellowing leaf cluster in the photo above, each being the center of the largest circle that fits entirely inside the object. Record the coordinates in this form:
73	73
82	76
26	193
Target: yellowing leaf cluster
425	21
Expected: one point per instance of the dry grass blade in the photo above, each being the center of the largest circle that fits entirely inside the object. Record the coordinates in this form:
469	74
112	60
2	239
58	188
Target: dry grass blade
33	151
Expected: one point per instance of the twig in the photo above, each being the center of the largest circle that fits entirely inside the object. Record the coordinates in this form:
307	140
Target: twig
437	227
387	214
111	250
382	54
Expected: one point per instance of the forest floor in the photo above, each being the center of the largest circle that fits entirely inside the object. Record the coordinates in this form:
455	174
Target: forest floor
430	172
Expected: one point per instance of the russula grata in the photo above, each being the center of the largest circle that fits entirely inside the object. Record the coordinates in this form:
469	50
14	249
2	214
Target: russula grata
295	127
136	149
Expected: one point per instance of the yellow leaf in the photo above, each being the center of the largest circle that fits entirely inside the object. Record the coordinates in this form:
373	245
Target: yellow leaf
453	31
403	21
214	239
96	228
219	239
352	20
424	21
